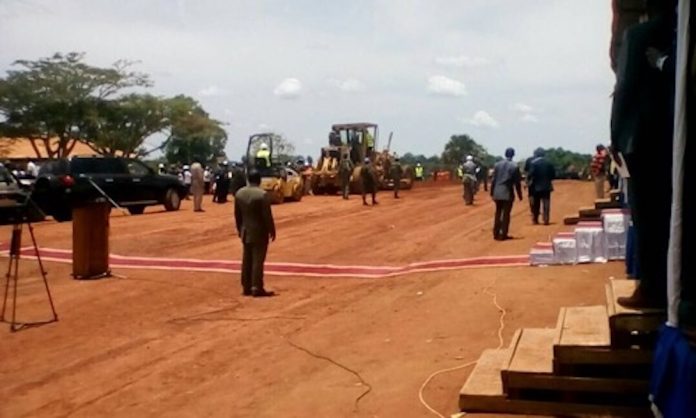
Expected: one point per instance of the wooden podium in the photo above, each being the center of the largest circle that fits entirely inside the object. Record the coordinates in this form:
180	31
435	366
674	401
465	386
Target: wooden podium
91	241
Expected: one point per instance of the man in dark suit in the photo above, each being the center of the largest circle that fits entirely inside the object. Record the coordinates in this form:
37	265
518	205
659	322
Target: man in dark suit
541	175
506	180
255	227
641	129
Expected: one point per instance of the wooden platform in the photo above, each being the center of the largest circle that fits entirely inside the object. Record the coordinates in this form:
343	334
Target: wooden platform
590	213
583	347
631	327
574	369
601	204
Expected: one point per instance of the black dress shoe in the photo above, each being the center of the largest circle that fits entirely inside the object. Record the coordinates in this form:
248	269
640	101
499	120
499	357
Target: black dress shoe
246	292
262	293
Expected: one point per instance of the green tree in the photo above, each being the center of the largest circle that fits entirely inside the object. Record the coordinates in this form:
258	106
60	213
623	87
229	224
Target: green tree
122	125
54	97
193	134
566	161
459	146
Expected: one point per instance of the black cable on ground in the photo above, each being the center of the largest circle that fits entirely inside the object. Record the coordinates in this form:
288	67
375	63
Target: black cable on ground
334	362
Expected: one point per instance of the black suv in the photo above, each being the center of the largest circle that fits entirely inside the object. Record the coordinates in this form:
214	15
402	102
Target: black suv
63	184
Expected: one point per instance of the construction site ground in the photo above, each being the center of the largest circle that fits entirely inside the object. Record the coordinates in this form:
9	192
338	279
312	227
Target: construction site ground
180	344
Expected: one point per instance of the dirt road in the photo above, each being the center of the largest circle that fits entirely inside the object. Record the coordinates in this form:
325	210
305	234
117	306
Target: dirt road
172	343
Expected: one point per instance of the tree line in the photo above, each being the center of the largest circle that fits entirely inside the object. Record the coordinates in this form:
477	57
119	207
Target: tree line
58	101
568	164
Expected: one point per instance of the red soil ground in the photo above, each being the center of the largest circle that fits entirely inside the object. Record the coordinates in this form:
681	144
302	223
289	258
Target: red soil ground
178	344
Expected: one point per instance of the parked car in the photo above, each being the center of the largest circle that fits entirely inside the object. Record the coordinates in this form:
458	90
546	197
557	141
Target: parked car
63	184
15	203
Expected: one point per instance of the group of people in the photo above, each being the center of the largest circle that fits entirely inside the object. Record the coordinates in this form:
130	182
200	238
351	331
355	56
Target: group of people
201	180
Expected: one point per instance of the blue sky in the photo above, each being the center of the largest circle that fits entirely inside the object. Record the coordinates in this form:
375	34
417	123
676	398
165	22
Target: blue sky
507	72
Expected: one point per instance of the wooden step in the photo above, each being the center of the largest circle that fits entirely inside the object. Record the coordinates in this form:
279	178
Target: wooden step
483	392
601	204
531	353
571	220
583	347
530	376
631	327
589	212
484	381
615	194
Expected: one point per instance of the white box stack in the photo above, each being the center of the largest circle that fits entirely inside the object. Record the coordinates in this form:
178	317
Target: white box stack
565	248
615	223
591	243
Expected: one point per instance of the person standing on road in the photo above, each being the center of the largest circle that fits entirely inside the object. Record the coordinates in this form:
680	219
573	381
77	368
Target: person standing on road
506	180
207	177
396	172
222	184
186	176
541	175
528	183
255	227
345	171
599	170
369	182
420	172
469	179
197	186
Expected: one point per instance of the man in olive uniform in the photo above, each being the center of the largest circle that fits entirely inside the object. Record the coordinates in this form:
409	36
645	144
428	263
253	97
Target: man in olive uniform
369	181
469	179
255	227
396	172
345	171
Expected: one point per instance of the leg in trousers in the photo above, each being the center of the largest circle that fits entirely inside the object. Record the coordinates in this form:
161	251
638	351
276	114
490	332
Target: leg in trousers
546	203
198	201
536	200
397	186
505	226
599	186
259	258
247	263
498	218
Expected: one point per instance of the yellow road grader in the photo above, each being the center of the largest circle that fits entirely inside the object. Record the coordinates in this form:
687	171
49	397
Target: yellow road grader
358	141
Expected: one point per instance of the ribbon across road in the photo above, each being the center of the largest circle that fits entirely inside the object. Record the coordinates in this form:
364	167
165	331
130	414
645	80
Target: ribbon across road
284	269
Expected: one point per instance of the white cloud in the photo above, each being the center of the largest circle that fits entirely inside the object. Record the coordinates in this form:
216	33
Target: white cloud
349	85
445	86
522	108
529	118
264	127
308	141
211	91
289	88
461	61
482	119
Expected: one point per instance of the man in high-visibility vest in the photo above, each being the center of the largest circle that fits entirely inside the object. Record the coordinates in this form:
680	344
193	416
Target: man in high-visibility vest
265	154
419	172
369	141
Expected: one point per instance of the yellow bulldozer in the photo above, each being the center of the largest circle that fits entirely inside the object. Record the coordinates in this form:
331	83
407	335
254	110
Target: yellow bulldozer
280	182
358	141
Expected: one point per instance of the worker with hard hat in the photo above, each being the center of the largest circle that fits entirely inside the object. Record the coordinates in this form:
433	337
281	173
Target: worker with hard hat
419	172
161	170
264	154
